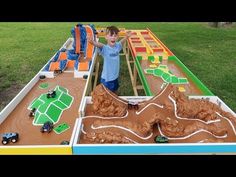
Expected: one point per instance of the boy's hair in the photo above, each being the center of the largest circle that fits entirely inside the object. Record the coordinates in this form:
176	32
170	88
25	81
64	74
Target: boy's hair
112	30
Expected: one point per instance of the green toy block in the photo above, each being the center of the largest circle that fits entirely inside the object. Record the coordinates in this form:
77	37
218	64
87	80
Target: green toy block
151	58
183	80
160	58
54	113
61	128
66	99
158	72
149	71
41	119
174	80
139	58
165	76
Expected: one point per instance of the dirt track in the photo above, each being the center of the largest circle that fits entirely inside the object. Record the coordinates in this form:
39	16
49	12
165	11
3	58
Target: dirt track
19	121
169	113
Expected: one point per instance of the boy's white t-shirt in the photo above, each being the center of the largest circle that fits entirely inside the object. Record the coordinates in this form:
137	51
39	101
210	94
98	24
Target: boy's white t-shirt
111	62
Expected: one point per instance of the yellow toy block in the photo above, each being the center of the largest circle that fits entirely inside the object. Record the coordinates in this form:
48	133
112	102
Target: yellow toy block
164	56
156	61
153	66
181	89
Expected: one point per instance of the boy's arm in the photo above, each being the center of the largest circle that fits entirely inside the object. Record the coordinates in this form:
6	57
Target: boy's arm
128	34
95	43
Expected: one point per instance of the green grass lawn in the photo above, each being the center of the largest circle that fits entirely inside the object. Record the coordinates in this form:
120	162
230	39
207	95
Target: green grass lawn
210	53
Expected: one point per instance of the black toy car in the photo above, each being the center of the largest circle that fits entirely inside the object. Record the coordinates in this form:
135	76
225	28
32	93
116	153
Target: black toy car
32	112
51	94
47	127
161	139
85	76
65	142
6	137
58	71
133	105
42	77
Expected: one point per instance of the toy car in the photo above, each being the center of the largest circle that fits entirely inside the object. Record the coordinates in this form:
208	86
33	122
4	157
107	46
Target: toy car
85	76
65	142
133	105
42	77
47	127
6	137
51	94
32	112
58	71
161	139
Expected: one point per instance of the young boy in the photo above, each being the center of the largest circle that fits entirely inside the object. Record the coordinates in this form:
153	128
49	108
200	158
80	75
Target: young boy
110	53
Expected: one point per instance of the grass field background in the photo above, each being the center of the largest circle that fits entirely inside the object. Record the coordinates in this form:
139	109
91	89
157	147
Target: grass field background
210	53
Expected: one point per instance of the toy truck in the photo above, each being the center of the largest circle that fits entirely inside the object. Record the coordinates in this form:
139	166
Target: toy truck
161	139
133	105
32	112
7	137
51	94
47	127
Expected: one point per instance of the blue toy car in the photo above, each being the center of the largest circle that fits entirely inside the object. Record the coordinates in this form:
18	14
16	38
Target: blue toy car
6	137
47	127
